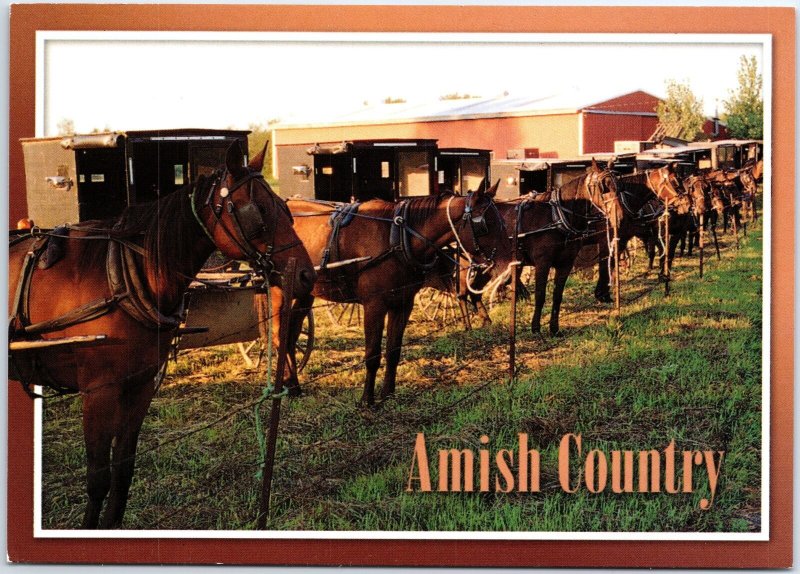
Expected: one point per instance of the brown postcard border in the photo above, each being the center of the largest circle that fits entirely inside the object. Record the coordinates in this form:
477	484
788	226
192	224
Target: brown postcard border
26	19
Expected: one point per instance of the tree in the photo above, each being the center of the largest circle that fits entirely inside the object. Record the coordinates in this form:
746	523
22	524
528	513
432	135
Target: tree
65	127
681	113
457	96
744	110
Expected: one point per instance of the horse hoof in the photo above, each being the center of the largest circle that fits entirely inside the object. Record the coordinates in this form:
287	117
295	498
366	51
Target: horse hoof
366	404
557	333
295	391
603	298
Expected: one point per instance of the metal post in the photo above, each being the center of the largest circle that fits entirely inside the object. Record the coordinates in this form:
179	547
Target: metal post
666	248
275	411
616	271
702	241
512	327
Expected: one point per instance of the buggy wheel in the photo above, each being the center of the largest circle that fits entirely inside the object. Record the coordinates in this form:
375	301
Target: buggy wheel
436	305
344	314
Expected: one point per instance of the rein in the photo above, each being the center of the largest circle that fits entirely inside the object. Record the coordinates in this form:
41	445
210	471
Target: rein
468	218
248	222
593	184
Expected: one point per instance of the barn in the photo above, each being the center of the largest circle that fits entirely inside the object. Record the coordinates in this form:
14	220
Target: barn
566	125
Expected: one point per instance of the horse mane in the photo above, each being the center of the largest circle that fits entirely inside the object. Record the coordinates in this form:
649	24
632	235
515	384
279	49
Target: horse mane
629	181
160	227
423	207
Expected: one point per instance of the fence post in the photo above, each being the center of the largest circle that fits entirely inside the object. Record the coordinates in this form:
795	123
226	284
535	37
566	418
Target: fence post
512	345
702	240
617	306
275	411
666	247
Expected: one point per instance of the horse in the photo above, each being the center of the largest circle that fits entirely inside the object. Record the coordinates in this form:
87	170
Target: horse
726	186
123	281
645	195
747	179
553	226
379	254
705	211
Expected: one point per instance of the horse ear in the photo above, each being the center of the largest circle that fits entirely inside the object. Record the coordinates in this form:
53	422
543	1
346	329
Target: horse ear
257	163
492	191
610	164
594	165
234	158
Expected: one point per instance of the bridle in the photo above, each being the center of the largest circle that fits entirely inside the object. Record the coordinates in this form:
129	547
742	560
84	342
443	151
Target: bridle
247	221
599	199
695	188
665	188
478	228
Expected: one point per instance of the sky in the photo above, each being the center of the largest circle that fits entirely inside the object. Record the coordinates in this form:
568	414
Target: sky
129	82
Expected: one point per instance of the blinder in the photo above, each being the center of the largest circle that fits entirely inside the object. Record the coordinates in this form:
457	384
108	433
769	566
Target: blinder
479	226
249	219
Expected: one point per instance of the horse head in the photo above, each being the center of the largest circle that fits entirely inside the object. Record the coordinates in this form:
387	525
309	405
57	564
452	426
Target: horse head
247	220
664	183
481	231
696	189
601	186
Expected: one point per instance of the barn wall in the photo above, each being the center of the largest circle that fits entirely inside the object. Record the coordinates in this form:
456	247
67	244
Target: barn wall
554	134
600	131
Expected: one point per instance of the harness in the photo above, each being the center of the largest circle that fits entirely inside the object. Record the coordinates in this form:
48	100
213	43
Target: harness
400	235
559	211
248	221
124	271
400	239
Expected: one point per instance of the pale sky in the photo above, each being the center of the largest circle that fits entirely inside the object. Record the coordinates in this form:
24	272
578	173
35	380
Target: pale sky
129	82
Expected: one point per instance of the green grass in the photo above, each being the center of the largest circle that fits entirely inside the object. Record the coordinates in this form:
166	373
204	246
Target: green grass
685	367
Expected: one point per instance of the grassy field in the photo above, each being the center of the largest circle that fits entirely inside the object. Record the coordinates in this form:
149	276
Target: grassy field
685	367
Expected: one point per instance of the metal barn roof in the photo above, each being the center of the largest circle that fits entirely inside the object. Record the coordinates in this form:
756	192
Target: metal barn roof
569	101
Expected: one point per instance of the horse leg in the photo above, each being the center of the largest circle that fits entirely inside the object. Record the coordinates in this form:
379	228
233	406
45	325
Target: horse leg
542	272
398	319
462	307
374	319
651	253
602	291
136	399
98	433
480	308
297	316
673	246
560	281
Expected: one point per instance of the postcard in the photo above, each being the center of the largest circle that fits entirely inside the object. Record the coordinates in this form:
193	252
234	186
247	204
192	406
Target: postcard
401	285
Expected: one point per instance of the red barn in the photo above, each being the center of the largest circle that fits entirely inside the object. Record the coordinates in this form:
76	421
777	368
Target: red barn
564	125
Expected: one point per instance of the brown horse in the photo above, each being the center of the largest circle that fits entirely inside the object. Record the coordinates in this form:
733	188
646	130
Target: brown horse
381	257
727	187
705	211
645	196
125	279
552	227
